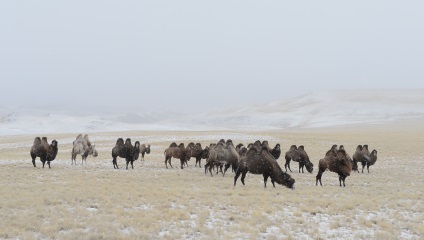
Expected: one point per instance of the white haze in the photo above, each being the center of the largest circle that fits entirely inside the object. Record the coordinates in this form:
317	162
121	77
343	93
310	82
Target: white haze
135	57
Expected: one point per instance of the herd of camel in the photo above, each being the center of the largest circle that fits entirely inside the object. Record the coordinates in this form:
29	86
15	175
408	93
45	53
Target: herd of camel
255	158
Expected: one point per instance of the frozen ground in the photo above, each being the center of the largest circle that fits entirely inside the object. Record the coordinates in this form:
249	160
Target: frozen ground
95	201
314	110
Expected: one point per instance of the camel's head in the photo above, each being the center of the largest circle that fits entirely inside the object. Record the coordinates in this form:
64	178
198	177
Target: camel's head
288	181
309	166
95	153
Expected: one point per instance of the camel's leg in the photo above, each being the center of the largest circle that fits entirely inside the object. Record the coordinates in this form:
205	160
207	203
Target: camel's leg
115	164
342	179
238	172
44	163
127	163
226	168
287	165
142	156
243	175
363	166
273	182
265	180
48	162
206	167
132	166
368	167
182	163
318	178
33	160
198	160
169	161
210	169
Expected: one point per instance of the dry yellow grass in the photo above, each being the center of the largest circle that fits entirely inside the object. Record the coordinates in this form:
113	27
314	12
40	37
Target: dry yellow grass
94	201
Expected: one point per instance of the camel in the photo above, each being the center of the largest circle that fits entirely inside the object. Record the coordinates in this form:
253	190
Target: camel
83	147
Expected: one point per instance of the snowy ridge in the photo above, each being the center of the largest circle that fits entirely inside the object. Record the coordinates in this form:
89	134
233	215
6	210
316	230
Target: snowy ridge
320	109
314	110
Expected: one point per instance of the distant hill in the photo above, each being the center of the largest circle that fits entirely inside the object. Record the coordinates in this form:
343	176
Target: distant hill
313	110
320	109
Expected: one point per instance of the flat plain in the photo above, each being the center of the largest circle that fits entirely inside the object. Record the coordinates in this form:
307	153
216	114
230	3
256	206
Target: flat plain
95	201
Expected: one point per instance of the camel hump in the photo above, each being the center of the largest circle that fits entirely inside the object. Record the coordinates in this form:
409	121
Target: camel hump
79	136
264	149
301	147
359	147
128	141
87	140
120	141
293	147
341	153
329	153
44	140
37	141
252	151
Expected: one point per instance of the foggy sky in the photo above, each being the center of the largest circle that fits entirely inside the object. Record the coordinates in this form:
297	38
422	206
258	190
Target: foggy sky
200	55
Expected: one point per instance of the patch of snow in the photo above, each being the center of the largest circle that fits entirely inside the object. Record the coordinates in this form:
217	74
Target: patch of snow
92	209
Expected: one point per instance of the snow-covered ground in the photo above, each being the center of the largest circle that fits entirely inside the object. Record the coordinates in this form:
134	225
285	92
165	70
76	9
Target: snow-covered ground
313	110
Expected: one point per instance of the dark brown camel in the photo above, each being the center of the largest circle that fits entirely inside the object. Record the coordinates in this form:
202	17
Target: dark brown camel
43	150
335	162
263	163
